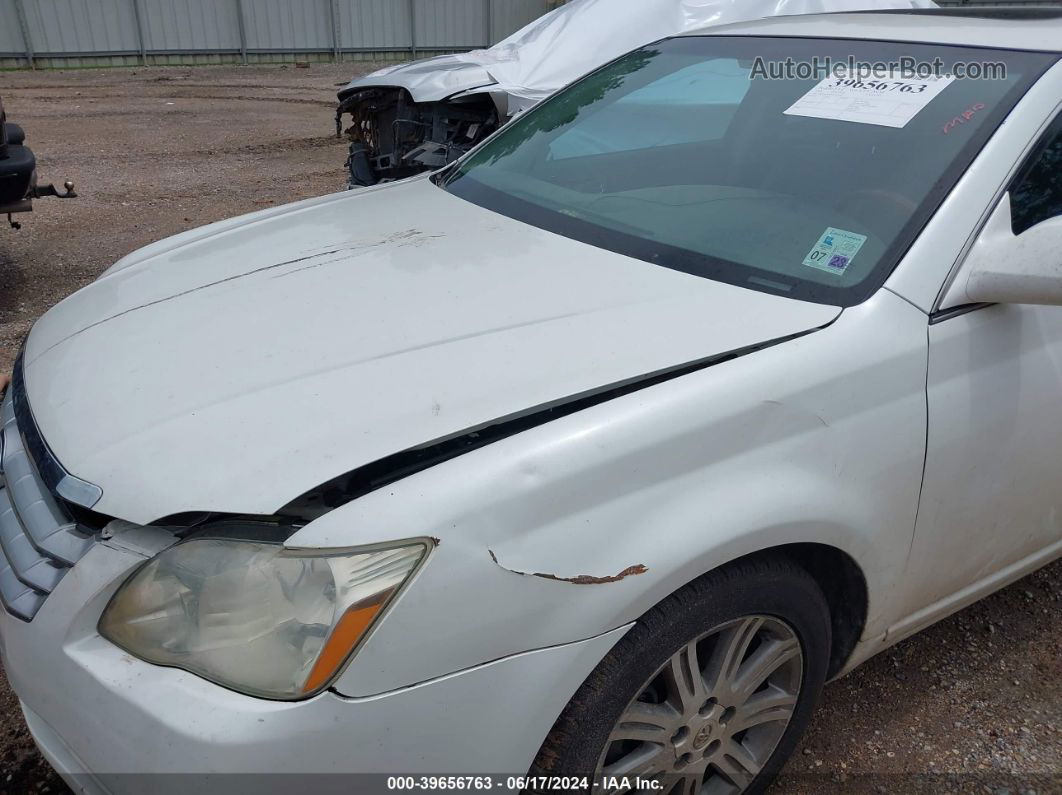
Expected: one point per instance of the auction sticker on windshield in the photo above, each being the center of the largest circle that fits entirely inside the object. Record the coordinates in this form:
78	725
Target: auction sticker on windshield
835	250
887	102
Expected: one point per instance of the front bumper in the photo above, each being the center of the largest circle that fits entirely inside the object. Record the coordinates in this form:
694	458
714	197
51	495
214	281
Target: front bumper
111	723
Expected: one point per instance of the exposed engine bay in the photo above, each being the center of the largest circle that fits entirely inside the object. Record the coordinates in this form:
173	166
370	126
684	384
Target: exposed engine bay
392	137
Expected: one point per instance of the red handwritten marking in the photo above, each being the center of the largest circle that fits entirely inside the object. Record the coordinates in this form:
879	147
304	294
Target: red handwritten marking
963	117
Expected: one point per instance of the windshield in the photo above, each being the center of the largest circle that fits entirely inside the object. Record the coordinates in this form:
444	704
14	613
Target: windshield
685	155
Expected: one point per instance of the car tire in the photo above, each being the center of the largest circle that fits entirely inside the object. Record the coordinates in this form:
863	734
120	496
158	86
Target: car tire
642	714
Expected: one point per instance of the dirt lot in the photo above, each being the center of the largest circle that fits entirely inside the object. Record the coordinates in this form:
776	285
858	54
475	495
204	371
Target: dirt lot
972	705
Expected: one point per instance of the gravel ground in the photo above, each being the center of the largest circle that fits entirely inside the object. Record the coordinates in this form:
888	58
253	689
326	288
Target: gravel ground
973	705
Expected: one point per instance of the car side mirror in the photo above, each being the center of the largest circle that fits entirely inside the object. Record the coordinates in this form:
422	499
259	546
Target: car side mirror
1004	268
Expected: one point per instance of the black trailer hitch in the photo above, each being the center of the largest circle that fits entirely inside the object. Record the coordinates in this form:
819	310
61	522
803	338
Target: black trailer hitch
40	192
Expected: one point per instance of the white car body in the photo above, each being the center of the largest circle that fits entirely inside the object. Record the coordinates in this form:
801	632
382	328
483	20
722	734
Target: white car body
232	368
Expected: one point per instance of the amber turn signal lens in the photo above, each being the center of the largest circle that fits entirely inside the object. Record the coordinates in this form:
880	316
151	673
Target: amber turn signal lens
344	638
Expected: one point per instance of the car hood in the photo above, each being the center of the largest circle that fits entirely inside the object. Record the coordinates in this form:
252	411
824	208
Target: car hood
238	366
428	80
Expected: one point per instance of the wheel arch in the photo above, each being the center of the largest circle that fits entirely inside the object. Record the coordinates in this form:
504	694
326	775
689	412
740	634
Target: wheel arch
843	583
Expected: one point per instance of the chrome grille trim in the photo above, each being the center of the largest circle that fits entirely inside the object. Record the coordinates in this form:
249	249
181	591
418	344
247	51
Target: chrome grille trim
27	563
39	540
49	528
55	478
19	599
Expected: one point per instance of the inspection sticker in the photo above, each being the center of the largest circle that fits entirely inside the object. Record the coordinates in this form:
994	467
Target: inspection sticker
886	102
835	250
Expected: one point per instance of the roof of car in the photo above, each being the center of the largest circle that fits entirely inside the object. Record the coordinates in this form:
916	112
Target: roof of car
1003	28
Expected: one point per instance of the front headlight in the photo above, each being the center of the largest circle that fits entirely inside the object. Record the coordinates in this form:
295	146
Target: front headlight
256	617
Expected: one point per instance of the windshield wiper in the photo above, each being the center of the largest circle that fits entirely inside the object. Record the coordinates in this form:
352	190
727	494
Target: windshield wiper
444	175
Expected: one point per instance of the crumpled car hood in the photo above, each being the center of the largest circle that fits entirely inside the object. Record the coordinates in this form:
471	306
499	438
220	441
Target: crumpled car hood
428	80
259	358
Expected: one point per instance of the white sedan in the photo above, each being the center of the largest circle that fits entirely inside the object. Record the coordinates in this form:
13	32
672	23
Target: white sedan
591	457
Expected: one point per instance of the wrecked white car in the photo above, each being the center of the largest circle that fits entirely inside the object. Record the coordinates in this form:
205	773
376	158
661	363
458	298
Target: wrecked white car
420	116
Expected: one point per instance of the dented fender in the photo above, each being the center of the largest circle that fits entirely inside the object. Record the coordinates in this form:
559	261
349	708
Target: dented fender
582	524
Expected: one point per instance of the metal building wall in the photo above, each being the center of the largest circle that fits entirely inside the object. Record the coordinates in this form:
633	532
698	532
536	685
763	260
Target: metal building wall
85	32
374	25
190	25
10	30
81	25
288	25
451	23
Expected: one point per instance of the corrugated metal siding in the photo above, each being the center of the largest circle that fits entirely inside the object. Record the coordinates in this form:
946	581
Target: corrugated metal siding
10	33
451	23
106	29
68	26
190	25
374	24
288	24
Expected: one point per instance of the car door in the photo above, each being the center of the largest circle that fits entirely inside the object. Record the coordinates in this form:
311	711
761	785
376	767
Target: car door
992	494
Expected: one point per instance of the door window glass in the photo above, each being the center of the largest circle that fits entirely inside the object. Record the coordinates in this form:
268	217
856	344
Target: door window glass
1037	195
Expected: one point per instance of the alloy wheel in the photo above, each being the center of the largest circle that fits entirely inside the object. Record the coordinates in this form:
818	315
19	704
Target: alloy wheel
709	719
